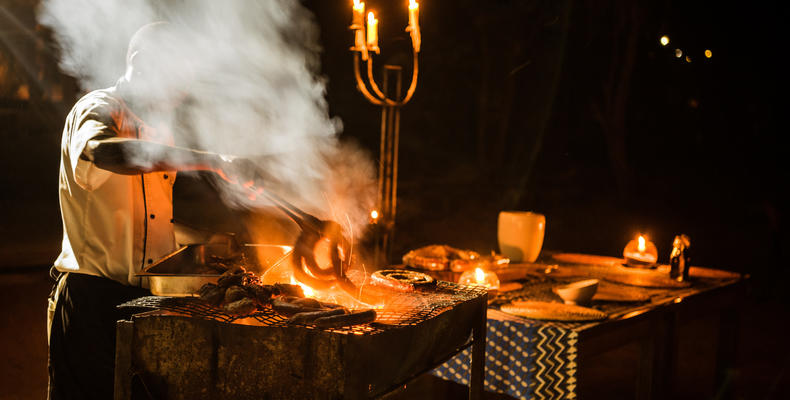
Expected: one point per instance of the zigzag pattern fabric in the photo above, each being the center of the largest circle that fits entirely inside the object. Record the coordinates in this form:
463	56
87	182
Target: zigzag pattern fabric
525	359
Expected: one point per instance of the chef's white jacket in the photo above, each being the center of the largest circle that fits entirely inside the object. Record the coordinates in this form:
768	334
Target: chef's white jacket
113	225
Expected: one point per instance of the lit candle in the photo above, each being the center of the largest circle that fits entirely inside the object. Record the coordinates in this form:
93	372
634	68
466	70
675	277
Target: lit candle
359	15
414	24
373	32
640	252
480	277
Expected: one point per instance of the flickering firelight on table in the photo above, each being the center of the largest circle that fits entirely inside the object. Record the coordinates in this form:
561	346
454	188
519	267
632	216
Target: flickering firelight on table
640	252
480	277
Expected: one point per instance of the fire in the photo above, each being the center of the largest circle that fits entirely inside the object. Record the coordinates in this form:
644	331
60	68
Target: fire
641	246
308	291
374	214
413	4
480	276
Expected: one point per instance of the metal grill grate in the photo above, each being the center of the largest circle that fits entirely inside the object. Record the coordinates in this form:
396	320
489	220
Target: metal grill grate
401	309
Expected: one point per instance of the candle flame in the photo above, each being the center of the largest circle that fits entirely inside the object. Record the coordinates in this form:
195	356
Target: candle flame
480	276
358	5
641	246
413	4
371	18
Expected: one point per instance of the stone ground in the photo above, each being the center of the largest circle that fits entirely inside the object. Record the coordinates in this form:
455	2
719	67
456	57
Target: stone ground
763	352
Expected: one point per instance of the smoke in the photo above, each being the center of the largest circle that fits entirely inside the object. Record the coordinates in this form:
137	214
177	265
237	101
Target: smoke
250	72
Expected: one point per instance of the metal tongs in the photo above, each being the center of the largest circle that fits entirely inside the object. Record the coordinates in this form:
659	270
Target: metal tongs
305	266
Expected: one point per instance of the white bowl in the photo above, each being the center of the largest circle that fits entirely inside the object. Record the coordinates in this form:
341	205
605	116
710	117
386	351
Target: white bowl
580	292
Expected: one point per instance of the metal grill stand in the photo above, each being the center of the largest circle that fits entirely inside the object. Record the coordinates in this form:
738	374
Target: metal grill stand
194	353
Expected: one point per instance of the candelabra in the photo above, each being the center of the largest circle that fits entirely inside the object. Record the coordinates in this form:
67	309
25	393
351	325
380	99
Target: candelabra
388	97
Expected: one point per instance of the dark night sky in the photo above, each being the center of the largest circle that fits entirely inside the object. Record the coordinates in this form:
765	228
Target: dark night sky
527	105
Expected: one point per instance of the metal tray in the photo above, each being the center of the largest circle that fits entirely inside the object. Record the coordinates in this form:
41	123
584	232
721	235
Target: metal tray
181	272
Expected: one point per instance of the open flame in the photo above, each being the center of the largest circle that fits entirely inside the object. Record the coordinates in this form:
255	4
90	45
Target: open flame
641	245
308	291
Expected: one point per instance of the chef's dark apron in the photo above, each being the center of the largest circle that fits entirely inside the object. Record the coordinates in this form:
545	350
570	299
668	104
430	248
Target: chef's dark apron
82	338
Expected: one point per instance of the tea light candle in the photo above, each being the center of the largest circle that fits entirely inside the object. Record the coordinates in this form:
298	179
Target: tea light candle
480	277
640	252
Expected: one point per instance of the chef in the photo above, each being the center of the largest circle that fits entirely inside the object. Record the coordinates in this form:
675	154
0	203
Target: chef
117	169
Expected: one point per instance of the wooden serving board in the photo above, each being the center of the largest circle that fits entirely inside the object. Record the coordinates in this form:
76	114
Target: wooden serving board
588	259
542	310
620	293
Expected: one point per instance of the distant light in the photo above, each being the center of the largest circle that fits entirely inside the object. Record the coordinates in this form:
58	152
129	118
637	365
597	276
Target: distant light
374	214
664	40
678	53
688	59
708	54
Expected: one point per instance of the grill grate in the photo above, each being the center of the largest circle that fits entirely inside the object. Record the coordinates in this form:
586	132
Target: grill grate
401	309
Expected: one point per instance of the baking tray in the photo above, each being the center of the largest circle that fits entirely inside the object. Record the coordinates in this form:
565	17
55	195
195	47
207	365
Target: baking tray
184	271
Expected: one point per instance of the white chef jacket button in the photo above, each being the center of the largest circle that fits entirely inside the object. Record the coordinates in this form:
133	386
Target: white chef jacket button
153	216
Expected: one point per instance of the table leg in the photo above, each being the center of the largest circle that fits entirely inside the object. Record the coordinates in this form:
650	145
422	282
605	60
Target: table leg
726	352
123	360
477	373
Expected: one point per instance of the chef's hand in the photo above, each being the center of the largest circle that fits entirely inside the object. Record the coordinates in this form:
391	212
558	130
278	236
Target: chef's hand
239	170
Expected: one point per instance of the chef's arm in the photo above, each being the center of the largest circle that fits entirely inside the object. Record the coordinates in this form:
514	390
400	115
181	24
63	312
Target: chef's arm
133	156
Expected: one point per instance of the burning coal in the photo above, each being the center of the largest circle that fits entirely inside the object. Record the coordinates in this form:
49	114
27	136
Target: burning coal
252	84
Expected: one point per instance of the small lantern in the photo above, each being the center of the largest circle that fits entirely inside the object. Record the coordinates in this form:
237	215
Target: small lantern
640	253
480	277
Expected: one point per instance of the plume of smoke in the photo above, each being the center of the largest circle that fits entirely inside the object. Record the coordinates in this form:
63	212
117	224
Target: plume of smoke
252	85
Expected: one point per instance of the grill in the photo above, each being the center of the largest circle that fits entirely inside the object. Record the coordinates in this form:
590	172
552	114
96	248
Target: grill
401	309
181	348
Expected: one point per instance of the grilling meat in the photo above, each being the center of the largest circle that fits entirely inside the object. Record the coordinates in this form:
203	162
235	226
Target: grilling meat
261	293
339	321
307	317
290	309
402	280
235	293
229	280
212	294
288	290
244	306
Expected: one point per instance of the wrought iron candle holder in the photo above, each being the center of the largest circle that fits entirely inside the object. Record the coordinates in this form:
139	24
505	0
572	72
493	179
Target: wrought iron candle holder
389	97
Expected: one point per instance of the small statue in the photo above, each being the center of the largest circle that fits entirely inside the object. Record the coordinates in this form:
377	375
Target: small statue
680	258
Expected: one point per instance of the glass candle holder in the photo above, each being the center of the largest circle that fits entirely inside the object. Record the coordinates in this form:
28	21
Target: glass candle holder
640	253
480	277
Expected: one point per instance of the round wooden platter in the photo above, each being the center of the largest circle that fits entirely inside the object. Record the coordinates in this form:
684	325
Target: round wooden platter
702	272
608	291
546	311
643	278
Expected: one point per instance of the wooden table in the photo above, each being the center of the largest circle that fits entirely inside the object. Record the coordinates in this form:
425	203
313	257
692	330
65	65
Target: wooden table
652	327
